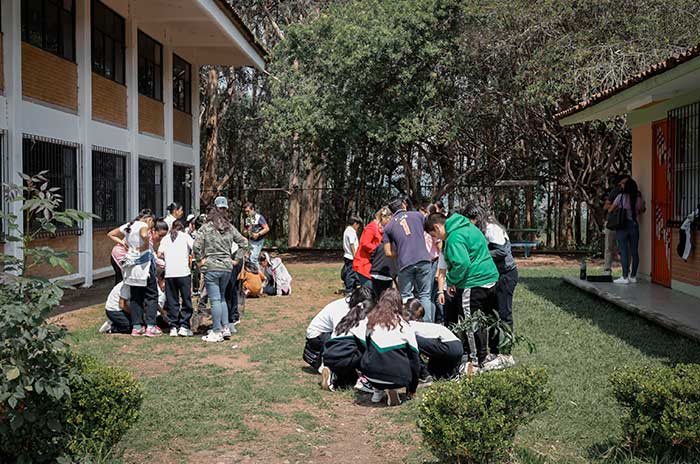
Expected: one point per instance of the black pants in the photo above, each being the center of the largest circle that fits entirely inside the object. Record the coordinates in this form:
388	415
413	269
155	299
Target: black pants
444	358
505	288
144	300
231	294
346	370
313	349
349	276
177	288
379	286
478	299
120	322
118	274
452	309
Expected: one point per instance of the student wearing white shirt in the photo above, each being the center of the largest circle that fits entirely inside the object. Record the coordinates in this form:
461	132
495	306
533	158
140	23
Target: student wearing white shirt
117	310
350	244
175	249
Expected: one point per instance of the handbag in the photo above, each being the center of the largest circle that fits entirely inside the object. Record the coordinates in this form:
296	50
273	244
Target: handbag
616	219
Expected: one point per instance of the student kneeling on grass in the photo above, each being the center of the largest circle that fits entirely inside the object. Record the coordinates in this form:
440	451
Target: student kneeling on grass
343	352
391	361
117	307
435	341
322	325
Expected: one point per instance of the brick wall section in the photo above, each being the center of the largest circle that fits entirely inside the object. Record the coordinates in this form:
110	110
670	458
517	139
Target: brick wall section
108	101
69	243
182	127
48	78
2	64
686	272
151	117
101	249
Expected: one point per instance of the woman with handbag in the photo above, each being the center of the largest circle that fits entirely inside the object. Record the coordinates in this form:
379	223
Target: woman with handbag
624	219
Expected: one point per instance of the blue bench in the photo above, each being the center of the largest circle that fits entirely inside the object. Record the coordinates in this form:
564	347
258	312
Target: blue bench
526	246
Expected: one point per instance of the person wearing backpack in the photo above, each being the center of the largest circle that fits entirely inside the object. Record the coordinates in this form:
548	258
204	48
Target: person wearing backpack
629	205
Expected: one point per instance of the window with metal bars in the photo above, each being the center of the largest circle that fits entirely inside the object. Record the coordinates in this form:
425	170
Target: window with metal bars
182	187
182	87
50	25
685	124
108	34
61	162
151	186
108	189
150	67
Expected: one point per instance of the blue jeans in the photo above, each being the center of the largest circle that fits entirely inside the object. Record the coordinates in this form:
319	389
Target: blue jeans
628	244
216	282
255	250
418	278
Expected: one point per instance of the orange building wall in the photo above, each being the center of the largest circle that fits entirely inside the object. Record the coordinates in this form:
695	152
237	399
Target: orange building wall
682	271
69	243
182	127
641	171
101	249
109	103
48	78
151	118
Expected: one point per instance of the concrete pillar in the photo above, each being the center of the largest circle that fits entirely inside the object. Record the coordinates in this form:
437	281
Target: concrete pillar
168	107
196	180
132	92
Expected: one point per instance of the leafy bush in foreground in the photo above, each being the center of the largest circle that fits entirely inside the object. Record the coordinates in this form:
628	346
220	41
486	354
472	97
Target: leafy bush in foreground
475	420
663	408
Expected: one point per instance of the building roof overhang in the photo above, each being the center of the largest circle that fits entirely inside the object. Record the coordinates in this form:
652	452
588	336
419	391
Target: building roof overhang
663	81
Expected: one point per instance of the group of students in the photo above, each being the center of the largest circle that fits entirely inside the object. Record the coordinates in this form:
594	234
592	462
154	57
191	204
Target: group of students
445	268
157	261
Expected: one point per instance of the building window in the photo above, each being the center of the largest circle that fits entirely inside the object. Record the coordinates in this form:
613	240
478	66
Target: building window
685	124
50	25
108	188
151	186
61	163
150	67
182	186
182	87
108	33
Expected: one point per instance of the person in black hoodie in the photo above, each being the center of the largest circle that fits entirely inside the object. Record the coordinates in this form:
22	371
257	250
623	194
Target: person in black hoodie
344	350
383	271
391	361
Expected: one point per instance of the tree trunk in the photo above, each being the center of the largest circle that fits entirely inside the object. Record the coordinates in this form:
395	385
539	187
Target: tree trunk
578	224
293	238
311	205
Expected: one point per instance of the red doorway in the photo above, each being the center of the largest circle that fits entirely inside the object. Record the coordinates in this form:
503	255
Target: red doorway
661	201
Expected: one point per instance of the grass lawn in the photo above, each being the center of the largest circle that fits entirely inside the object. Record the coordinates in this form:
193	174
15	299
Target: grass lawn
259	403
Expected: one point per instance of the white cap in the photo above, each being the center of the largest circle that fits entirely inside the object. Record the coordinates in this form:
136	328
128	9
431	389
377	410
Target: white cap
221	202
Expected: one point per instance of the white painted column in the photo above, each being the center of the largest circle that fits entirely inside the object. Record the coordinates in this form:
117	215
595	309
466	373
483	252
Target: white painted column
196	180
168	178
12	58
83	56
132	92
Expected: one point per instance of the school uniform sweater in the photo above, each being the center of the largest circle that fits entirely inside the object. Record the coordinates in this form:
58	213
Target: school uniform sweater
392	356
345	350
431	336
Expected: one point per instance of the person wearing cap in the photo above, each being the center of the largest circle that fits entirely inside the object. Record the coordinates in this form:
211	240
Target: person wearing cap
255	228
212	251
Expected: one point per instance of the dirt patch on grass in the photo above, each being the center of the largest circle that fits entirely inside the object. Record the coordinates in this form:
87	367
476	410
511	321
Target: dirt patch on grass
92	316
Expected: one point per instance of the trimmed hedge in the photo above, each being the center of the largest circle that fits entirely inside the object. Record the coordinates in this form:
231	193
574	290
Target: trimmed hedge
103	406
663	408
475	420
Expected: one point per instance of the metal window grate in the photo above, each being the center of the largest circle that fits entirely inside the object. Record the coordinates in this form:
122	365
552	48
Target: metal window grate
685	124
109	177
182	186
151	186
60	159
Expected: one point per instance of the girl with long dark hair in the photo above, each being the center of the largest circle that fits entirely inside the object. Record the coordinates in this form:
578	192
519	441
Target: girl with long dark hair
391	360
628	235
212	251
175	249
175	212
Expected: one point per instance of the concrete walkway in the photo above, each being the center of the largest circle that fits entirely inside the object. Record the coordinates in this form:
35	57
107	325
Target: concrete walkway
672	309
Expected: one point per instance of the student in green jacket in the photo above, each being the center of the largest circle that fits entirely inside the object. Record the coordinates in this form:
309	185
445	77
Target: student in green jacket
470	270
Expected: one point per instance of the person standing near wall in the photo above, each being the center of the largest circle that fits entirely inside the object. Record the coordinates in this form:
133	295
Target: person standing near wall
610	237
350	246
404	240
255	229
630	199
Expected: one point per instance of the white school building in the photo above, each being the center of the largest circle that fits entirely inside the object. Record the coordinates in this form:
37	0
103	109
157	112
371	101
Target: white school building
104	94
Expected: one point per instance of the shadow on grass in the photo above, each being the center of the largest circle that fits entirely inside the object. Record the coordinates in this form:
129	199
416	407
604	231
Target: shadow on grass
611	452
651	339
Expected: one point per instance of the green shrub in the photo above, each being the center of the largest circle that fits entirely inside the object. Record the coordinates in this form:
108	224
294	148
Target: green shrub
663	408
475	420
103	405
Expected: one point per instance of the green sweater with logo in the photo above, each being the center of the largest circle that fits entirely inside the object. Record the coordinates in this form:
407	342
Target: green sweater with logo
469	263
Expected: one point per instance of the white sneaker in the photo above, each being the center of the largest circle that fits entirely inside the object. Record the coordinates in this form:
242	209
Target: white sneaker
106	327
621	280
363	385
173	331
392	398
378	396
226	333
490	357
213	337
184	332
502	361
633	280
